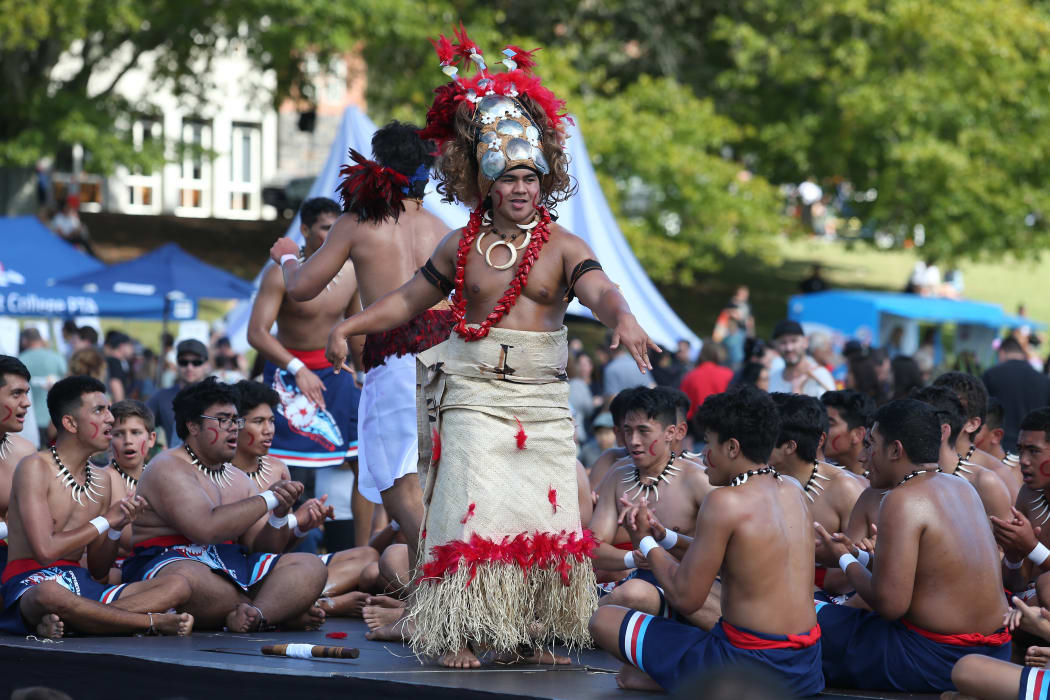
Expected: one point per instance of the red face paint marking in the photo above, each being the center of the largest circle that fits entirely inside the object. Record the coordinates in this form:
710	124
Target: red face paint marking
835	443
144	448
9	413
497	200
651	446
251	439
1044	468
215	437
95	428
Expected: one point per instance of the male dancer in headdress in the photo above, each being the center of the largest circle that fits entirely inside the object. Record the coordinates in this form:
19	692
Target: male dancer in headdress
317	418
388	236
14	406
505	560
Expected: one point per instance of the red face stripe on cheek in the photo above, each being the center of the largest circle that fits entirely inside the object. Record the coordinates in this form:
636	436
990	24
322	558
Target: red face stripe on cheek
251	439
9	413
94	430
497	200
1044	468
215	435
651	446
835	442
144	448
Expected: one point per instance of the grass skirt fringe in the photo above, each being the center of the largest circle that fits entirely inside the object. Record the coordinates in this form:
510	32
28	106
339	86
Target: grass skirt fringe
498	606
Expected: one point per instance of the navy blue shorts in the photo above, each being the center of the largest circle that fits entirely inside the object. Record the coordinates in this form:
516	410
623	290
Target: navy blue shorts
75	579
230	560
672	653
866	651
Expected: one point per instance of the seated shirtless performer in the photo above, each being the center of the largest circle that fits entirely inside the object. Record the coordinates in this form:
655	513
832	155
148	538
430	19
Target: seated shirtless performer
849	415
1025	535
949	409
973	396
202	519
60	506
751	533
133	434
617	455
935	590
832	492
256	403
990	437
673	487
14	405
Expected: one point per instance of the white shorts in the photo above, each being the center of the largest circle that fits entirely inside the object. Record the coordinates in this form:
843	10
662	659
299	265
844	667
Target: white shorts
386	426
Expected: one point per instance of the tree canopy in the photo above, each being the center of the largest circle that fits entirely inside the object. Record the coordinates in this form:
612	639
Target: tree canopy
693	112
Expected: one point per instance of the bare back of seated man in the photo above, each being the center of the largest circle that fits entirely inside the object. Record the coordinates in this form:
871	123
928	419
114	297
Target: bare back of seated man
750	533
387	249
205	517
832	492
673	487
60	507
990	487
15	403
935	590
346	586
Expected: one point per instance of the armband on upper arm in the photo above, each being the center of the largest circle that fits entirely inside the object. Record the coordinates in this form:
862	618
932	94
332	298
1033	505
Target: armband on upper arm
578	272
433	275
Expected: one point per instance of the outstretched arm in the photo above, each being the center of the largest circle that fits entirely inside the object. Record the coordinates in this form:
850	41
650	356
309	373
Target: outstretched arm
598	293
306	281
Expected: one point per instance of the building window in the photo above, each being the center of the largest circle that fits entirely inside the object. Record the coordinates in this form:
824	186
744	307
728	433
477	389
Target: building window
194	188
143	189
245	168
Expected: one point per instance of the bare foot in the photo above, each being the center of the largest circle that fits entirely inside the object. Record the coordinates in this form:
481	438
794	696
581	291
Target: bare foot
244	618
378	616
346	605
177	624
464	658
1037	656
534	656
312	619
384	601
50	627
630	678
387	624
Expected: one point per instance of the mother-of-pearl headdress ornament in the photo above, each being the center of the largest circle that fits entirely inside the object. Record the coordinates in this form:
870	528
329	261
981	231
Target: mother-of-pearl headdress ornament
506	135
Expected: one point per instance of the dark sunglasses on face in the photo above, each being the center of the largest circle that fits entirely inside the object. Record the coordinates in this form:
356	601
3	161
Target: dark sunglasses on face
186	362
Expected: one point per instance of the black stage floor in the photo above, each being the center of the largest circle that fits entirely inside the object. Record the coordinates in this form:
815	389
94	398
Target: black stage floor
215	665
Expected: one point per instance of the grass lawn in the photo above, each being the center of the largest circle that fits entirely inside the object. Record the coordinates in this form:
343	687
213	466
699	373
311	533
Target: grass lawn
855	267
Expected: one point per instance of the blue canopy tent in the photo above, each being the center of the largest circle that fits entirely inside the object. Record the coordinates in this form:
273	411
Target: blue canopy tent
586	214
170	274
873	317
32	257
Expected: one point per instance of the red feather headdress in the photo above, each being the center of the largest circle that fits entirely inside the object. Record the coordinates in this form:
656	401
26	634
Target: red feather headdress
371	191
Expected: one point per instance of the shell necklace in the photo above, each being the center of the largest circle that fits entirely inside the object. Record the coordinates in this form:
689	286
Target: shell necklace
129	481
261	473
220	477
915	474
652	486
813	487
78	490
486	219
741	479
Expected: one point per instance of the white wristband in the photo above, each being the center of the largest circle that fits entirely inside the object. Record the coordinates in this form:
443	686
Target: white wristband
277	523
294	365
1038	554
863	558
1012	565
288	256
293	522
271	499
100	524
628	560
647	544
114	534
394	525
3	531
669	540
845	560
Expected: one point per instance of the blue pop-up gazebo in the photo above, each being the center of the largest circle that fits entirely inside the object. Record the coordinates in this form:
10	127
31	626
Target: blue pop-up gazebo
32	258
